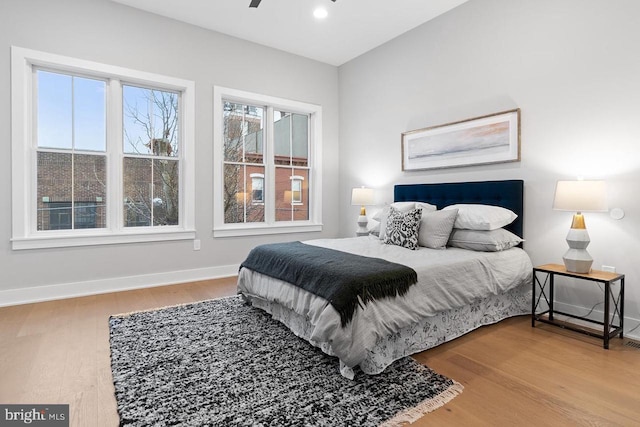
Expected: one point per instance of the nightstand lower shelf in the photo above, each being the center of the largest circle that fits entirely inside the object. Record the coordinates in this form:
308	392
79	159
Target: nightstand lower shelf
609	329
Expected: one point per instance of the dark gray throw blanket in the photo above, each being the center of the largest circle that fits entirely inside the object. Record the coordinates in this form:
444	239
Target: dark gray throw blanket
339	277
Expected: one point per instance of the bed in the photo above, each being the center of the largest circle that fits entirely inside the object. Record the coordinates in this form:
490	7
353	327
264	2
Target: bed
457	289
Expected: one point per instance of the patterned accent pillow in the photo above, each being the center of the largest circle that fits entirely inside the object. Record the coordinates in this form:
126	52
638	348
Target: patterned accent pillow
402	228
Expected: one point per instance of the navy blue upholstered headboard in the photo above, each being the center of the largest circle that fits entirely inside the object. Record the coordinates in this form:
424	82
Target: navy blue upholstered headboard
508	194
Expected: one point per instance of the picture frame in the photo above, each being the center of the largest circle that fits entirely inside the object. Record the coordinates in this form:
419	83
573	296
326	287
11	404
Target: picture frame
493	138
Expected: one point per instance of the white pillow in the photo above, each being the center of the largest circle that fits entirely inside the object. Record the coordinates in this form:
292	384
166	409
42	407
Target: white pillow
435	228
486	241
482	217
375	230
402	207
426	207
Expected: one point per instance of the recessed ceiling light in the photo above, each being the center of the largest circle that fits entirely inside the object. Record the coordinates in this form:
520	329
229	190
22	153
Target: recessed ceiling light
320	13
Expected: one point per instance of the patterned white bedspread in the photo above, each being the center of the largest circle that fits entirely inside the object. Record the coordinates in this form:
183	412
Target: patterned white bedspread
447	279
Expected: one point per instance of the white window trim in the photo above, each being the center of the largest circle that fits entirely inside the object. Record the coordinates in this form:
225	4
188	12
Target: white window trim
24	233
270	226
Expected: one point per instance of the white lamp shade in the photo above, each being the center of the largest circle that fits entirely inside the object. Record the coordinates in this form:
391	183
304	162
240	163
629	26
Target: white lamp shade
362	196
580	196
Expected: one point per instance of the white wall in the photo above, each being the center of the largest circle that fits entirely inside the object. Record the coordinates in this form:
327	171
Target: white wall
108	32
573	69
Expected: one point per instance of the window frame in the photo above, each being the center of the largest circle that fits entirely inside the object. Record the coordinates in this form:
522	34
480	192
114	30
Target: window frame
24	153
270	225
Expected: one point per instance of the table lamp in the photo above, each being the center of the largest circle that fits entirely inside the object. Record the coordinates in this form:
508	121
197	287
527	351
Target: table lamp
362	196
579	196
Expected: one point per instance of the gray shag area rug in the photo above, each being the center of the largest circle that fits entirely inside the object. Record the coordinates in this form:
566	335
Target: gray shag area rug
225	363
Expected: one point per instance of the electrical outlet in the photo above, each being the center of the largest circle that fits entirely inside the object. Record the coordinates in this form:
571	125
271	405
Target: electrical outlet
609	268
196	244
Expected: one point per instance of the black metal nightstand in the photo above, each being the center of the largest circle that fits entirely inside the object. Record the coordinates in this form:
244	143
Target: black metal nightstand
609	329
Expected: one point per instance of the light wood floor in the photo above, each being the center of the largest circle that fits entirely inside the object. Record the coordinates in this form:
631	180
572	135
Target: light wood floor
514	375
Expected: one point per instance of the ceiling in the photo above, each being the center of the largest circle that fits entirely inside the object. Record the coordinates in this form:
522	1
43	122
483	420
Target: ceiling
351	28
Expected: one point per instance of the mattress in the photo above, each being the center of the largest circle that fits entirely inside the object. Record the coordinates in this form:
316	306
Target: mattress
448	279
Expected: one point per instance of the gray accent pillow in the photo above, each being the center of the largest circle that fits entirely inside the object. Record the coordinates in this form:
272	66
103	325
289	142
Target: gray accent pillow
402	228
435	228
485	241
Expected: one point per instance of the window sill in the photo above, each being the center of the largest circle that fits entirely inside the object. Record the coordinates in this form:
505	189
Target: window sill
96	239
261	229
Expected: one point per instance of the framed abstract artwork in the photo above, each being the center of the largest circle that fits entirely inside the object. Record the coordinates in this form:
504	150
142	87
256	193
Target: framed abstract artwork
494	138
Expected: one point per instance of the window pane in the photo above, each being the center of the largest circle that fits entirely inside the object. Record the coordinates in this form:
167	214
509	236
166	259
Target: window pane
85	215
150	121
89	118
151	192
89	191
243	133
282	137
54	110
233	194
300	139
291	138
232	132
292	194
255	211
137	192
54	184
301	210
238	190
166	192
69	185
253	135
59	215
71	112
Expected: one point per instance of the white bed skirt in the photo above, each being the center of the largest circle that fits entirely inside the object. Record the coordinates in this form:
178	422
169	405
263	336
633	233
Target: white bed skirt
430	332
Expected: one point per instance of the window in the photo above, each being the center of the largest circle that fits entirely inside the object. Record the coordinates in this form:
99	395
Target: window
296	189
99	153
70	139
257	188
267	172
244	163
151	157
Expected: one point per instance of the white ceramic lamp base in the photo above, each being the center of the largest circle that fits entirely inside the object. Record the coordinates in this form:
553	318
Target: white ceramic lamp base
362	226
577	259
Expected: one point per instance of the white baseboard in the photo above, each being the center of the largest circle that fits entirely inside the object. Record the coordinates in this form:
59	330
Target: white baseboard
629	323
103	286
